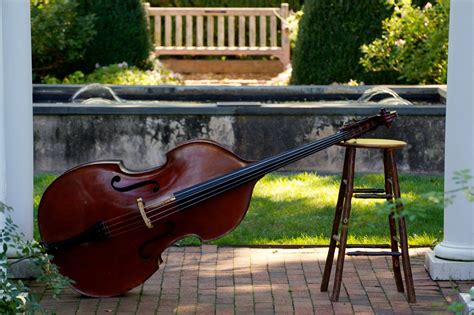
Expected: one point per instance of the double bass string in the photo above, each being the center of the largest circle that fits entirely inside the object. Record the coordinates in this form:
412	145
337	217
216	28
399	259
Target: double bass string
273	163
214	182
230	176
234	183
200	198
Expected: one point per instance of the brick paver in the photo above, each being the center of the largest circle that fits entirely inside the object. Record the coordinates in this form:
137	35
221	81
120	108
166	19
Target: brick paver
227	280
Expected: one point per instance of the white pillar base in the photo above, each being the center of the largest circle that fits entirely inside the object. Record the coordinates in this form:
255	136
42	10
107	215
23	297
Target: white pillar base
451	251
465	299
442	269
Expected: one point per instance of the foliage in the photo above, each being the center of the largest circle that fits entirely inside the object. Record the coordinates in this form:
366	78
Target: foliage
293	4
420	3
121	74
414	43
13	293
293	24
329	40
122	33
58	36
436	199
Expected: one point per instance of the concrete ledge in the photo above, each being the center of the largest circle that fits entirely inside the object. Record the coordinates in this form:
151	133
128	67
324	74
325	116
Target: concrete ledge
23	269
441	269
233	108
430	94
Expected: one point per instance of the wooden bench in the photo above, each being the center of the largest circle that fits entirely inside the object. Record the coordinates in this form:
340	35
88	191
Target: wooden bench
221	31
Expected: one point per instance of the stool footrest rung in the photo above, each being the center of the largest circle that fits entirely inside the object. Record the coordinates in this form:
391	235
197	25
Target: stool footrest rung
373	196
369	190
363	253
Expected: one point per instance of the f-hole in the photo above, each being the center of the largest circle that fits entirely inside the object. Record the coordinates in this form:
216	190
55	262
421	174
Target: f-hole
117	179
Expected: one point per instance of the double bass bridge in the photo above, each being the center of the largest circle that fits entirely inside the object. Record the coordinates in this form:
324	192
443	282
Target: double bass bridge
141	208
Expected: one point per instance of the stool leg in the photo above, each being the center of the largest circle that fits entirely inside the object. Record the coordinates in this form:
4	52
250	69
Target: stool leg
335	226
345	225
402	230
392	224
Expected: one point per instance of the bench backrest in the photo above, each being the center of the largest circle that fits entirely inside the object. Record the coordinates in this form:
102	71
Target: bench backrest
221	31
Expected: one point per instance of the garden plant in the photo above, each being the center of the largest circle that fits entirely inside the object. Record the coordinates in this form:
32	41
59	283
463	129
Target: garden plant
15	296
59	36
414	43
387	41
329	40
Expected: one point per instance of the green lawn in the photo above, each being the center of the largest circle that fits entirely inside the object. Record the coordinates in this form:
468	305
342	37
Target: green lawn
298	209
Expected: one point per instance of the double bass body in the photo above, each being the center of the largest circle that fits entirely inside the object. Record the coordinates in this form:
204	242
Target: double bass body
129	251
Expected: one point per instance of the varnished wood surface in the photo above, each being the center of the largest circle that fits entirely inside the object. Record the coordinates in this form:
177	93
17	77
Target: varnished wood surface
369	143
84	195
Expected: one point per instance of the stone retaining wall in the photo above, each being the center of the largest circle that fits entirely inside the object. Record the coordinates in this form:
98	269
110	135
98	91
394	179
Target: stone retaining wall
140	134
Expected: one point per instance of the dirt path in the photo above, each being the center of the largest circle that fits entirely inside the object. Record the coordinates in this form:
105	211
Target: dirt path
250	79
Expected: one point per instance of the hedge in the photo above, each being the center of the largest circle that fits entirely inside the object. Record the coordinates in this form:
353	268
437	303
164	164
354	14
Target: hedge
59	37
122	33
329	40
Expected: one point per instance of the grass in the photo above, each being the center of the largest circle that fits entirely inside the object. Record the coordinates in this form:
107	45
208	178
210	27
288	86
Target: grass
298	209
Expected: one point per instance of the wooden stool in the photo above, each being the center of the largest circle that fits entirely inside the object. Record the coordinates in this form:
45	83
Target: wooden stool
343	209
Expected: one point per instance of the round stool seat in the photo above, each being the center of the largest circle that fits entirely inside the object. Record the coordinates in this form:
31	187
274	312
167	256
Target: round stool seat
368	143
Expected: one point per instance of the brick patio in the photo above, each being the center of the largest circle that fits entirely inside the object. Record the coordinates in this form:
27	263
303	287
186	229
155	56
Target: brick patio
227	280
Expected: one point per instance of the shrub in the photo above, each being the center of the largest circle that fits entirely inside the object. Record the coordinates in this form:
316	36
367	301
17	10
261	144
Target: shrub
58	36
122	33
121	74
329	40
15	297
293	24
414	43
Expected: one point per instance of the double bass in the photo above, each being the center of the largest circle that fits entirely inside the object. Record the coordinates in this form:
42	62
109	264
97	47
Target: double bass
107	226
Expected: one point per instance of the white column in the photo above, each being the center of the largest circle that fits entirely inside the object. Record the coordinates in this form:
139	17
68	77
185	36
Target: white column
453	258
3	181
16	112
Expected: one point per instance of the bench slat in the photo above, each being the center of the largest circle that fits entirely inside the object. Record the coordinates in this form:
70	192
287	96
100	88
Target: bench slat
273	31
158	30
210	31
199	31
189	30
168	30
241	31
178	31
252	30
285	35
216	51
220	31
212	11
263	31
231	31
